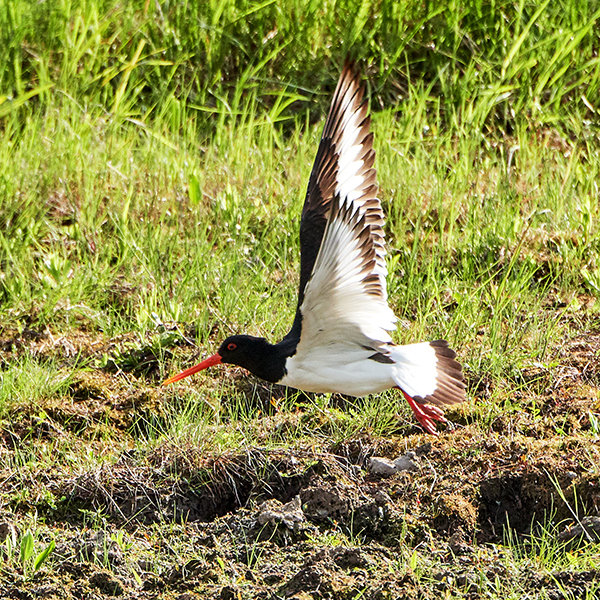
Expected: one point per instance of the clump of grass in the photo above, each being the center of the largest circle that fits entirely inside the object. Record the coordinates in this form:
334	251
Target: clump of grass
27	380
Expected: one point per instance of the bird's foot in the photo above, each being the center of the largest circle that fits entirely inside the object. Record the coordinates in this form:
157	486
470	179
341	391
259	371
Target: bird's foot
426	414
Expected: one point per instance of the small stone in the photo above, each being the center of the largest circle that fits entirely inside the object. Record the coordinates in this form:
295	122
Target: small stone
290	514
381	466
386	467
406	462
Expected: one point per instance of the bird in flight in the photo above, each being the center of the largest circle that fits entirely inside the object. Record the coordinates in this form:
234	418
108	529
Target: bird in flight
340	341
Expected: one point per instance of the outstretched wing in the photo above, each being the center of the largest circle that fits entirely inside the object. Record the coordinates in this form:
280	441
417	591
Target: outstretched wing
343	171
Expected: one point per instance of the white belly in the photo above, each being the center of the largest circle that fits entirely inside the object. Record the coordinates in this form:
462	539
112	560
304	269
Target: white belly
326	374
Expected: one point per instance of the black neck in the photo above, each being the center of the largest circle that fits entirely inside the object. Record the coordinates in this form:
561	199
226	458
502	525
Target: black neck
262	359
268	362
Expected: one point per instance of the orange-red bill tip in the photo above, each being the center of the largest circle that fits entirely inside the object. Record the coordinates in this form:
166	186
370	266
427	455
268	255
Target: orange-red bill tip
215	359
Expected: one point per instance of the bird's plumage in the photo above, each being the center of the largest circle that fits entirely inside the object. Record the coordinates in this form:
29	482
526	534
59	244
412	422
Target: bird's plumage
340	339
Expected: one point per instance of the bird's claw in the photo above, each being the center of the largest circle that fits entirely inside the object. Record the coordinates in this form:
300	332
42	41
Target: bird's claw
426	414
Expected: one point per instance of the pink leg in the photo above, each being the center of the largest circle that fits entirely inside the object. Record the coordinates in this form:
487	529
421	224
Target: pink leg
426	414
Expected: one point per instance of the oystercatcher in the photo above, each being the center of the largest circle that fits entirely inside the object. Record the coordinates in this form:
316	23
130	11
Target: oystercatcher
339	341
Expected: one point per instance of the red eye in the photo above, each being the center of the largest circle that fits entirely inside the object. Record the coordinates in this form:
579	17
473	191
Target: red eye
231	346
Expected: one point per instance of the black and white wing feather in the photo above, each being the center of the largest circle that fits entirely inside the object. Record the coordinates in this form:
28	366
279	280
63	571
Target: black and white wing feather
343	188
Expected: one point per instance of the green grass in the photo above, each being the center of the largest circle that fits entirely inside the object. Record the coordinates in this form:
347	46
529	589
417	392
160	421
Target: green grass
26	380
153	163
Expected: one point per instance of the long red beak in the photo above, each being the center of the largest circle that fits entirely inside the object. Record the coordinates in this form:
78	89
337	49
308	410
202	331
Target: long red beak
215	359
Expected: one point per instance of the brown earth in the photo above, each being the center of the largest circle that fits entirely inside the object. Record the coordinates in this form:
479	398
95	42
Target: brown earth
309	521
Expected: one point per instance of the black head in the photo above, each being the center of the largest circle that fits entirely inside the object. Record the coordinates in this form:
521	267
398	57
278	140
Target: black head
255	354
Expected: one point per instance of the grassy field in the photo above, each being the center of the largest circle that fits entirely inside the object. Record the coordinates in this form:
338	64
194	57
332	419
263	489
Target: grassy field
153	164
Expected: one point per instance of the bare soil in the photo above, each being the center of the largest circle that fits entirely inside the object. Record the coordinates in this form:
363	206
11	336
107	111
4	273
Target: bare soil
309	521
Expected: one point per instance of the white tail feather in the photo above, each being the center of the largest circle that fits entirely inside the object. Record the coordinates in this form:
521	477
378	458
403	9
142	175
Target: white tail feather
415	369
